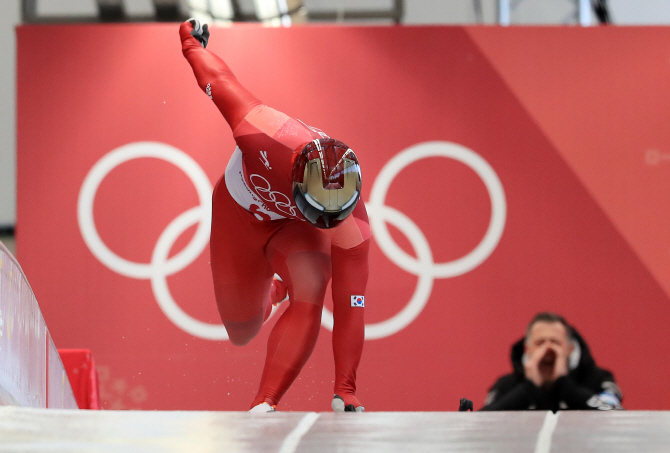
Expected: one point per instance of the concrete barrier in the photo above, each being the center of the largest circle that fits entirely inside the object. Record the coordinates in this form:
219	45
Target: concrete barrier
31	371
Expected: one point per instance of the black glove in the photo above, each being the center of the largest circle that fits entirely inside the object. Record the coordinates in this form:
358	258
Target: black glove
201	33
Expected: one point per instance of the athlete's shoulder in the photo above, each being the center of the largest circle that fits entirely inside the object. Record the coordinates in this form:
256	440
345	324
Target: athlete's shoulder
263	119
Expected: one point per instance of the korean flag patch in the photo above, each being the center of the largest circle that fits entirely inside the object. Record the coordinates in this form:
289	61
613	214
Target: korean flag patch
358	301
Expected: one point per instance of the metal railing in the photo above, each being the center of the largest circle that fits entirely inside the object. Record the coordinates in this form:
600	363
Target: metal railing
176	10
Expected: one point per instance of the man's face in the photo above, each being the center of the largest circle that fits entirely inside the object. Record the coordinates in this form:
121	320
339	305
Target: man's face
552	334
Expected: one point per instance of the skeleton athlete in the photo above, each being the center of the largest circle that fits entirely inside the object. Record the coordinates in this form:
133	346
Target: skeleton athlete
288	203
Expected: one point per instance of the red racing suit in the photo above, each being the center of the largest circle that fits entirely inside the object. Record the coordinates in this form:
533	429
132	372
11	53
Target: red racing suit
258	231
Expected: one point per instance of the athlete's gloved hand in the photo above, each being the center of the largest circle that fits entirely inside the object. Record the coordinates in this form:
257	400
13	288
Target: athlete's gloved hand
199	32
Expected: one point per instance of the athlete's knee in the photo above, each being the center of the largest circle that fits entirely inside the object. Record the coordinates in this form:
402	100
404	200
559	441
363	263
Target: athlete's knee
240	340
241	333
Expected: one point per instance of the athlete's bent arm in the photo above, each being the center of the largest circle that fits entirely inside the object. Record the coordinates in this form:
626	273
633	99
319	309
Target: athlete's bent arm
216	79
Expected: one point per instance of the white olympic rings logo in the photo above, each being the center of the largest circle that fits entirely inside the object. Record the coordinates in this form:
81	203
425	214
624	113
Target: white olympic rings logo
272	195
422	266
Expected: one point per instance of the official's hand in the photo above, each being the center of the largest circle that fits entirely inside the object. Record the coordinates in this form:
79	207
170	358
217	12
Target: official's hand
532	365
560	365
199	32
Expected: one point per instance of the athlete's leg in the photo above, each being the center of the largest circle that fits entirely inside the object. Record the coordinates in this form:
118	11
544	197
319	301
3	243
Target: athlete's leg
300	254
349	254
242	276
349	325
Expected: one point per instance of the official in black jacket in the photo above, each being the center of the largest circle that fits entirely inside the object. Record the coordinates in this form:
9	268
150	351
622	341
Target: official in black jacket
553	370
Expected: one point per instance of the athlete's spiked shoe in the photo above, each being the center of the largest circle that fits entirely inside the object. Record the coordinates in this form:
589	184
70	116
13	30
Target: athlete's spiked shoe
338	405
263	407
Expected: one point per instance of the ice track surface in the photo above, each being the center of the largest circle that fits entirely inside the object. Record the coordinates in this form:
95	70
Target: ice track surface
55	430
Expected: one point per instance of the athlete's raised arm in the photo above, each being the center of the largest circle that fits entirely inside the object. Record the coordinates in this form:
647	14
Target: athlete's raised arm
214	76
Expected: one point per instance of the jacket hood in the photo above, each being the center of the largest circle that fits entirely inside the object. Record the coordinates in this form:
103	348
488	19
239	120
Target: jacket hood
579	361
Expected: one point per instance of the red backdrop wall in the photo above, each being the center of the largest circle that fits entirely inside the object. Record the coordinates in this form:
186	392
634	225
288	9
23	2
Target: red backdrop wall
541	154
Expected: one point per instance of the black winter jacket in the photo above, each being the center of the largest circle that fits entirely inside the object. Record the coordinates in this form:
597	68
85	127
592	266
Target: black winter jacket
585	387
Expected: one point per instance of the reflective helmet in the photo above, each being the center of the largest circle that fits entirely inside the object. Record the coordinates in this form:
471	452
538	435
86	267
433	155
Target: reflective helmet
326	182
